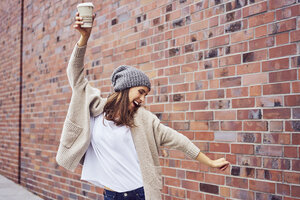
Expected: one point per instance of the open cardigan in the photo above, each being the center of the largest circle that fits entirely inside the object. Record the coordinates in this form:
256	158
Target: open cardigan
148	134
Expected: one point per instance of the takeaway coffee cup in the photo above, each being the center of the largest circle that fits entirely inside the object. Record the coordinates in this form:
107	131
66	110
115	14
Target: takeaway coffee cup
86	12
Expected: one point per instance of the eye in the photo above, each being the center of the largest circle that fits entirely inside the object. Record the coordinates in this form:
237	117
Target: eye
140	91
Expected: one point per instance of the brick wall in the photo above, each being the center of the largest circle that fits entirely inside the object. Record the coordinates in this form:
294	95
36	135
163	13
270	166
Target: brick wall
10	27
224	73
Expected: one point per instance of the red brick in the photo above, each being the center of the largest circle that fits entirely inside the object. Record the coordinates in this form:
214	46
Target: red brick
288	75
271	175
243	103
288	12
172	181
255	56
218	41
219	147
242	148
295	191
275	64
283	189
248	68
261	31
231	125
204	136
291	177
230	60
230	82
190	185
253	79
180	106
279	88
296	87
283	51
261	43
200	105
249	114
261	19
225	115
198	125
237	48
255	9
280	113
215	179
269	101
214	94
282	38
255	126
296	165
224	71
273	4
177	192
295	35
237	182
276	126
237	92
276	138
276	163
242	194
255	90
197	176
262	186
208	115
290	152
242	36
292	100
195	195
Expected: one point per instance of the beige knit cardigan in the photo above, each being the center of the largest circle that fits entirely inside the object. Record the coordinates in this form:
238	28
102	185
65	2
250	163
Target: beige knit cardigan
148	135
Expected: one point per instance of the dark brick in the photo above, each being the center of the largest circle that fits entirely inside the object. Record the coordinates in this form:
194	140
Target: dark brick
177	97
209	188
169	8
212	53
236	26
235	170
189	48
248	57
173	52
178	23
114	22
229	17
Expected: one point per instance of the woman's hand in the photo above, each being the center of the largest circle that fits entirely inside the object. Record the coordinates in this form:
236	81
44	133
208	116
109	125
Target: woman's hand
85	32
221	163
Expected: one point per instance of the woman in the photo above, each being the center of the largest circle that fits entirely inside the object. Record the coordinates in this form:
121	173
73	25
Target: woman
116	139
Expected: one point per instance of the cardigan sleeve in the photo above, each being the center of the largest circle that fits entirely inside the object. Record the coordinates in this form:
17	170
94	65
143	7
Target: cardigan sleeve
167	136
75	69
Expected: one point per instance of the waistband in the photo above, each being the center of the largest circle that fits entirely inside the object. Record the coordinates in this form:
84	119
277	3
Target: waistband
136	191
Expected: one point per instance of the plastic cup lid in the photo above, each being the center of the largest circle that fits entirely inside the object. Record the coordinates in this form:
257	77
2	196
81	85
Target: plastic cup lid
85	4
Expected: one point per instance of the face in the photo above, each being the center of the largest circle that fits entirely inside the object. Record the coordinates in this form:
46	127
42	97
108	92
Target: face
137	96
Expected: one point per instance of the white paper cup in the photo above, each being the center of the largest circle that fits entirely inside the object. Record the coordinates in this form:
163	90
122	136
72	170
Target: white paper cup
86	12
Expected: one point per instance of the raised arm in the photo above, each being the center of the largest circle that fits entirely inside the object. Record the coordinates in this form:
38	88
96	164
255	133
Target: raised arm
75	70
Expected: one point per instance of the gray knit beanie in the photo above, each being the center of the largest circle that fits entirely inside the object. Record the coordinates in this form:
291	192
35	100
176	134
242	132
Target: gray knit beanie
125	77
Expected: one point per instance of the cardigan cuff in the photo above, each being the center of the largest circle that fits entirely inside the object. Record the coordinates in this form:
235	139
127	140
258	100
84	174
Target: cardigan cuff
79	51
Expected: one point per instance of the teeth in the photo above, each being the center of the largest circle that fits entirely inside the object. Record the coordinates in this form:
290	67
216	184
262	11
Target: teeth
136	103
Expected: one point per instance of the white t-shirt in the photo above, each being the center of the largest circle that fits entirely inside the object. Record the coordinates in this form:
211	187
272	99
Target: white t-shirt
111	159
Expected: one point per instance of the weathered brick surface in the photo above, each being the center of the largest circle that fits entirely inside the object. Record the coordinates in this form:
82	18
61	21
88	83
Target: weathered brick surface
224	73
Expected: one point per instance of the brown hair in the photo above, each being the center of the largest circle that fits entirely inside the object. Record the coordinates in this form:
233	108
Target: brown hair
116	109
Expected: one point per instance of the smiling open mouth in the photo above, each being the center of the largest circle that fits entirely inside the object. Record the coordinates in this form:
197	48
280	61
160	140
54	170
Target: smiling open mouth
136	104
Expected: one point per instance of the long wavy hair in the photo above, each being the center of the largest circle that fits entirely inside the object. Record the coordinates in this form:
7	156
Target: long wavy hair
116	109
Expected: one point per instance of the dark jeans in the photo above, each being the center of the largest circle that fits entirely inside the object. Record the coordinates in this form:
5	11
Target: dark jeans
137	194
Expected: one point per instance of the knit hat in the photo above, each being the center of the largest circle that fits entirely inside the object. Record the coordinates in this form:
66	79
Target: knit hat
125	77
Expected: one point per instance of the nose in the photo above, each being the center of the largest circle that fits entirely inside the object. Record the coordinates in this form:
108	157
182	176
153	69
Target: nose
143	98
